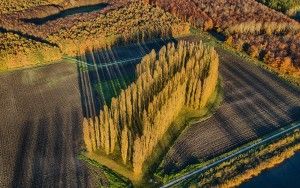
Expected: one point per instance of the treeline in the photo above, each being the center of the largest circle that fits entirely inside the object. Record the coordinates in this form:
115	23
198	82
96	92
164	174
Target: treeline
262	28
186	10
235	171
17	51
75	34
125	23
256	29
281	5
134	123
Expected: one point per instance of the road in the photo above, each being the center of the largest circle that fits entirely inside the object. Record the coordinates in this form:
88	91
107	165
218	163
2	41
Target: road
256	102
42	111
262	141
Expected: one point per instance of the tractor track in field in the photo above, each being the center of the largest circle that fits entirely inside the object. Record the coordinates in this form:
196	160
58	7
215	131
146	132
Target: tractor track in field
256	102
269	138
42	111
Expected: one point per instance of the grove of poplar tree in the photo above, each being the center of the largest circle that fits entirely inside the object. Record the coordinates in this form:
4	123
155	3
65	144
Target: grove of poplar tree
180	75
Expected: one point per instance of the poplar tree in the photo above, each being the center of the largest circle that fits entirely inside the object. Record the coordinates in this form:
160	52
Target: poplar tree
86	136
124	145
178	76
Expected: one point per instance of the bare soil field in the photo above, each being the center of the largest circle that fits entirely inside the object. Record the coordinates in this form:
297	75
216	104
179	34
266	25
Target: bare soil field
41	112
40	128
255	103
41	116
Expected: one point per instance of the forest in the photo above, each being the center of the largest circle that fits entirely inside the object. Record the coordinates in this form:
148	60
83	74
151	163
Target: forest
74	34
134	22
249	26
13	5
186	10
17	51
133	123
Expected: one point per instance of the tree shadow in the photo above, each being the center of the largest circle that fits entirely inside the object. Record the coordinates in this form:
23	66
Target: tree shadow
253	107
67	12
24	144
218	35
47	152
294	113
38	166
104	73
297	16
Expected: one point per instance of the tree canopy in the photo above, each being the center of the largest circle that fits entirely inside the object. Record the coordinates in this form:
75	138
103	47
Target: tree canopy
179	75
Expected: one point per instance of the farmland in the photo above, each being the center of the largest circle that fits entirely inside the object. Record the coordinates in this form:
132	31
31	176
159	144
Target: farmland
255	110
236	167
75	33
56	90
45	132
39	135
120	93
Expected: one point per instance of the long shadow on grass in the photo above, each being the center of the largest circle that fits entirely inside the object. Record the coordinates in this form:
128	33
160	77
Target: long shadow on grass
104	73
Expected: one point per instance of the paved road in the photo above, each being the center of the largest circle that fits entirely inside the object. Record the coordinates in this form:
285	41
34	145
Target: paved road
261	142
41	112
255	103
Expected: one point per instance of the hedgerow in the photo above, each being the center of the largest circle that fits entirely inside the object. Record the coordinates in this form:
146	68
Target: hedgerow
17	51
74	34
135	21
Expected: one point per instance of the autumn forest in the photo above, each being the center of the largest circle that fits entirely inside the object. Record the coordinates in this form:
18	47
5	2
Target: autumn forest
149	93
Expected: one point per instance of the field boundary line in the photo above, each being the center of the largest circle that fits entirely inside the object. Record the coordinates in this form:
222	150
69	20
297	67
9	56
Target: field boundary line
103	65
162	39
275	135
